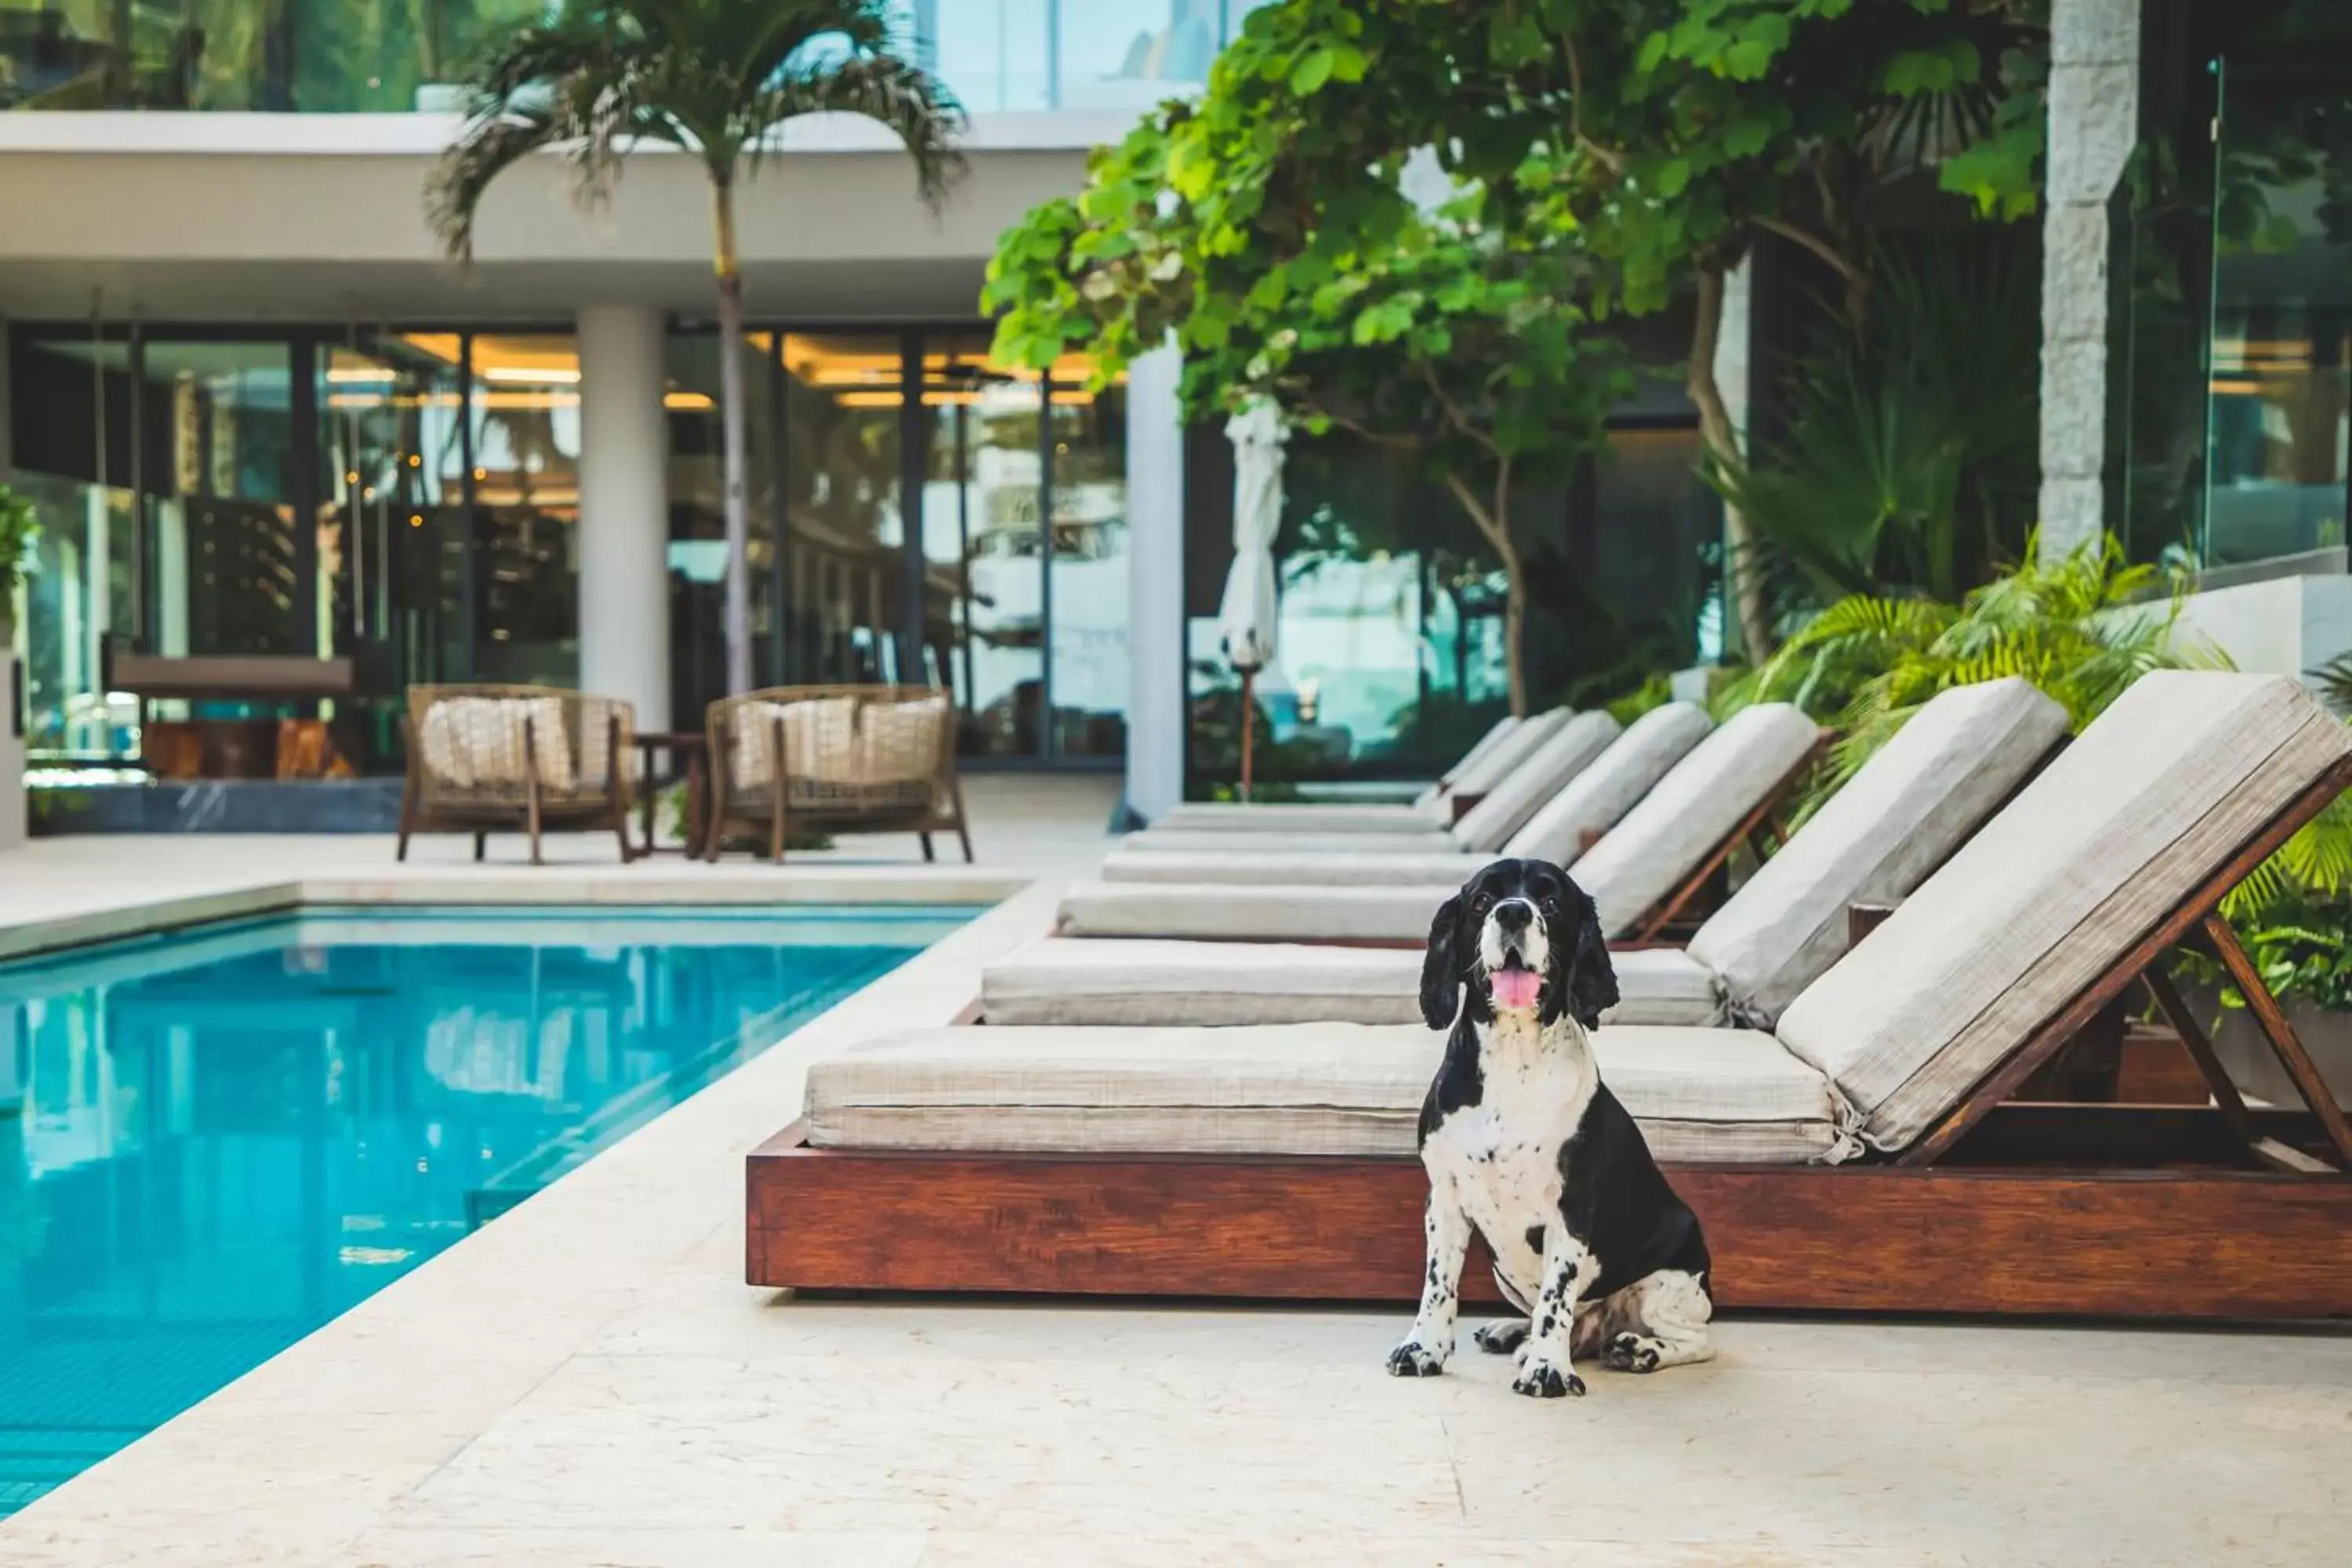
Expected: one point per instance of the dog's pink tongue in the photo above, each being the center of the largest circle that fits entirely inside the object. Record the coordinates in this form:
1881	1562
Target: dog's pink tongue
1515	987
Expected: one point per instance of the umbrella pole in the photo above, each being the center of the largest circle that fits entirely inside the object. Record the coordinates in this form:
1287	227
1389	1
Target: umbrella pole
1249	725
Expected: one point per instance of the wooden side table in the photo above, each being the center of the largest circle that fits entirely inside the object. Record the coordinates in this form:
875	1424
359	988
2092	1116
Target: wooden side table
689	751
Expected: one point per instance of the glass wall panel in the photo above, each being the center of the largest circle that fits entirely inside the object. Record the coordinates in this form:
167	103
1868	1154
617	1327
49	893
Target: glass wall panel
394	558
698	516
78	592
2277	466
226	556
983	565
845	538
1089	602
526	434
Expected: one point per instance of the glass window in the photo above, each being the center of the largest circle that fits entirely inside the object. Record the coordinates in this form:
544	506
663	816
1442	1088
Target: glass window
526	430
1089	602
983	568
228	562
698	515
845	539
2276	414
78	592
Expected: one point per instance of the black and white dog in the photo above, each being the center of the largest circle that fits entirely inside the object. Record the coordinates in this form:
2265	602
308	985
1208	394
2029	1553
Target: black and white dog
1522	1139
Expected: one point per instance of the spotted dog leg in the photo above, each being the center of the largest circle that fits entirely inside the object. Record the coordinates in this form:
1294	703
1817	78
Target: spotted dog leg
1666	1316
1545	1364
1447	1231
1500	1337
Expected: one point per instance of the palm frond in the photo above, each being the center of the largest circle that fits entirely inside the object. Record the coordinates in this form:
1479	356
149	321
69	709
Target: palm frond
903	98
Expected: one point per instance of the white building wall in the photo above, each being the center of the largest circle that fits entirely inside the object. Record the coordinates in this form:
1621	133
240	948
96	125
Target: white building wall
623	511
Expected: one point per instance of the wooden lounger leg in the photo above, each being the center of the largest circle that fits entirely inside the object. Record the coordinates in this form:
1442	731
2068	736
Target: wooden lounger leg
925	839
482	843
778	791
2308	1081
407	790
2226	1097
616	781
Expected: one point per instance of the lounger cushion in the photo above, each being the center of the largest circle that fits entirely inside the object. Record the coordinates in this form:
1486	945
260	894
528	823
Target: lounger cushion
1477	776
2145	807
1487	742
1057	980
1256	841
1382	912
1526	789
1594	800
1280	865
1664	839
1230	817
1899	818
1304	1088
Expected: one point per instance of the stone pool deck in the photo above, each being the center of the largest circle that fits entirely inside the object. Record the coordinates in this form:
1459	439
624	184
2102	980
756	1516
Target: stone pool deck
587	1381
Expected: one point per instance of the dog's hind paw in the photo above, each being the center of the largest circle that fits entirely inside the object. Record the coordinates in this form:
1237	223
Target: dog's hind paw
1502	1336
1412	1359
1630	1352
1542	1380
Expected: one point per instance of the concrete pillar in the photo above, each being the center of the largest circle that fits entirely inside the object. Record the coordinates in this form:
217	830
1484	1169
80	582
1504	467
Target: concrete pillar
1155	585
623	511
2094	124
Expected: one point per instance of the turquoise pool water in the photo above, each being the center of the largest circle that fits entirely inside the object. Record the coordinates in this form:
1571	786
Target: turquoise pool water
214	1140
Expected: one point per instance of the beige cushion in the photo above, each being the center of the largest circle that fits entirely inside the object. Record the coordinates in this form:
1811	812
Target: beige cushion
820	739
1309	1089
1429	797
1258	841
901	741
2144	807
1665	838
1209	912
1059	981
1280	817
1548	768
1898	819
1594	799
1282	866
473	742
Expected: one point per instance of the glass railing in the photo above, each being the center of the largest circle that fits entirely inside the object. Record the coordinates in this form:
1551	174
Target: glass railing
355	55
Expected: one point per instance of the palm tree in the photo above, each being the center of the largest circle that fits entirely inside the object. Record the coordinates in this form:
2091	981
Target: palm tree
716	80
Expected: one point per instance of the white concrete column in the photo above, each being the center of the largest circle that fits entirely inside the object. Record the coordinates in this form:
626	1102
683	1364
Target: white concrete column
1155	585
2094	124
623	511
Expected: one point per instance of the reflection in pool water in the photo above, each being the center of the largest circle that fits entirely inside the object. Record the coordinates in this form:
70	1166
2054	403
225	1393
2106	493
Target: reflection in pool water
212	1142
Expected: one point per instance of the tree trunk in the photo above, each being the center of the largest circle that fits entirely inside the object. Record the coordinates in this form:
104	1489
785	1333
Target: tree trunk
1739	575
734	439
1493	521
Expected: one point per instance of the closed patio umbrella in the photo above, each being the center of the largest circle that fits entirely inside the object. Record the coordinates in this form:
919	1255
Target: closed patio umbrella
1247	615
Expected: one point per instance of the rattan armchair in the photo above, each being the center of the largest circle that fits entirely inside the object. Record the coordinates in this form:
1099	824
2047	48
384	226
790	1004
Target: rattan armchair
526	758
845	758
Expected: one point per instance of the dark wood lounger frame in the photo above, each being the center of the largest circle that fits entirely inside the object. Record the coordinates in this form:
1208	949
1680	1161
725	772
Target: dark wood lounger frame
2223	1211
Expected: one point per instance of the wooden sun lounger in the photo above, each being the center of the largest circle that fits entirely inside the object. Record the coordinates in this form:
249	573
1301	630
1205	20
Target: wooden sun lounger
2012	1208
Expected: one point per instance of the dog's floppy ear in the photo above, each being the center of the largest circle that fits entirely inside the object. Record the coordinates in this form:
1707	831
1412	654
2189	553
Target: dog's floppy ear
1587	981
1440	967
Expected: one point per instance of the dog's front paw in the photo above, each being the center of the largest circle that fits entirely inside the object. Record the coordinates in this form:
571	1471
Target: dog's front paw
1502	1336
1542	1380
1630	1352
1413	1358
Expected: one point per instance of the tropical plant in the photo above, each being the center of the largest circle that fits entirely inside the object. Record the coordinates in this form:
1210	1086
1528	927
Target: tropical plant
2082	629
1906	457
20	529
716	80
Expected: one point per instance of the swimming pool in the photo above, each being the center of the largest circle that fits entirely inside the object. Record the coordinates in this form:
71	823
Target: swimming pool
214	1140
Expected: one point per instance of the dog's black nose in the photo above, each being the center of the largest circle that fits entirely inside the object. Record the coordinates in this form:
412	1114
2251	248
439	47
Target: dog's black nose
1514	915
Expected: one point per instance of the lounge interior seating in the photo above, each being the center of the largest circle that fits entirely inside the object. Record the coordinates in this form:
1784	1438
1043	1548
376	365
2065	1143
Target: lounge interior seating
1902	814
1569	809
839	759
1862	1154
1645	872
521	758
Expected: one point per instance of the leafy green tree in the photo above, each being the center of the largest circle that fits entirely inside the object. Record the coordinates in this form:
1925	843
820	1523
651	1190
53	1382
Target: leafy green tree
1457	335
716	80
